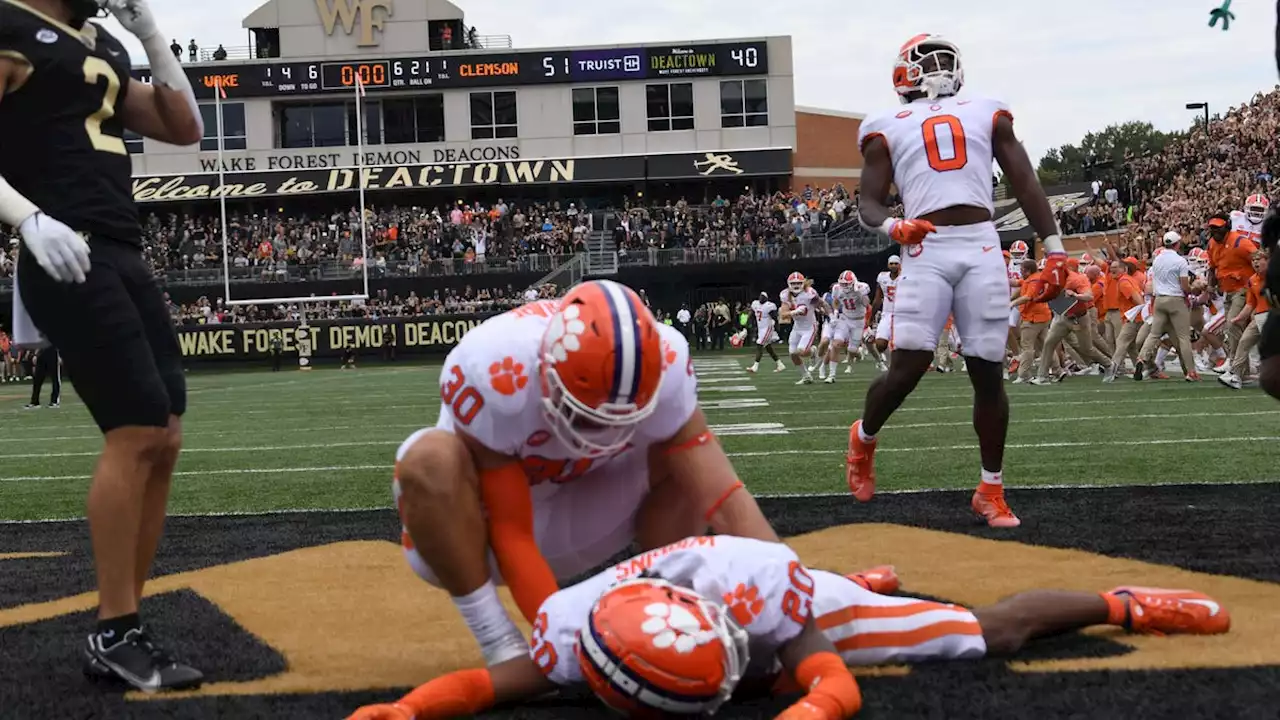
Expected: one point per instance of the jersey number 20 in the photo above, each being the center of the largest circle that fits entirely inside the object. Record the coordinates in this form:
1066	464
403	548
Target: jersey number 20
957	156
95	68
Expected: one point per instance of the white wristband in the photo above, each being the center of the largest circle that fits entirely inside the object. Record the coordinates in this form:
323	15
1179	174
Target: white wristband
886	227
15	208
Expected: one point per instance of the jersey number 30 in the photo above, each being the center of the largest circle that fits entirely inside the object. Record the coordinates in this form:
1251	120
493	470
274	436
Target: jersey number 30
940	158
94	69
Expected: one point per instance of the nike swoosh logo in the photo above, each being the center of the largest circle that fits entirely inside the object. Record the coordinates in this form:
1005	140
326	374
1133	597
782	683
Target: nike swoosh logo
114	53
988	248
1213	606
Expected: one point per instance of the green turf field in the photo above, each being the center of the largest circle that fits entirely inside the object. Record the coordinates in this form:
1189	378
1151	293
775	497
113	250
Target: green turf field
259	441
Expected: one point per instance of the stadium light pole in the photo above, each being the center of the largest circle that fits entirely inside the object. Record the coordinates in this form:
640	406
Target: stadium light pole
1201	106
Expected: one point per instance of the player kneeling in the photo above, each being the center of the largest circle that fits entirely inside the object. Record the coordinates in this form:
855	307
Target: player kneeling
673	632
568	430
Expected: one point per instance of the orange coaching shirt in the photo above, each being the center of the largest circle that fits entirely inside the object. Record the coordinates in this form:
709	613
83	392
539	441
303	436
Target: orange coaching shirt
1034	312
1232	261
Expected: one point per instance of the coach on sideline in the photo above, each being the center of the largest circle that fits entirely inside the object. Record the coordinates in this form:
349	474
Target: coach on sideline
1171	284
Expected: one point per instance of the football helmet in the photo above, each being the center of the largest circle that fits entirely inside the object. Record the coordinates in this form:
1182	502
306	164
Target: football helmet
795	282
1255	207
601	367
847	280
651	649
1019	250
1086	259
1198	258
928	64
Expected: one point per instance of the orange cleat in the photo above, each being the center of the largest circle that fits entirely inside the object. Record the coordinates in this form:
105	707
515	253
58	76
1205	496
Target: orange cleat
990	506
882	580
1164	612
860	467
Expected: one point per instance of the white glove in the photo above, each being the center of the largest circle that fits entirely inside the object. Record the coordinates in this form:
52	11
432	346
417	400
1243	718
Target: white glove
57	248
135	16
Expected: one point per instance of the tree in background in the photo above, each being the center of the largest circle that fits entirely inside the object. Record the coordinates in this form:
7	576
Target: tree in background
1073	163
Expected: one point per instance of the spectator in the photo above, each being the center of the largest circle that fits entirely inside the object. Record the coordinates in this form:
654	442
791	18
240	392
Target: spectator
176	49
193	50
220	53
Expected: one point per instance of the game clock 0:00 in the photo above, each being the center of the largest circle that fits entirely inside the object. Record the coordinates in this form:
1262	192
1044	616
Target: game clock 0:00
336	76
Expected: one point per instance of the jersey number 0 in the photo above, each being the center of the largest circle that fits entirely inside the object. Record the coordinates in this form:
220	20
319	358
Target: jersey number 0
958	155
95	68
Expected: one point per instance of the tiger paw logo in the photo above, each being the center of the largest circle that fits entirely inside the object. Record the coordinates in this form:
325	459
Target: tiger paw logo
668	355
673	626
565	333
744	603
508	376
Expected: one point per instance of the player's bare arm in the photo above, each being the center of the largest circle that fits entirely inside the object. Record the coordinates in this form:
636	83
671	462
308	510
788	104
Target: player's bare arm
1017	167
504	491
874	184
692	475
812	661
465	692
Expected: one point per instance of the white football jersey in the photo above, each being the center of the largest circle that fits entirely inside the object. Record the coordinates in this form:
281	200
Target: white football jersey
1240	223
804	306
718	568
851	304
1015	274
490	390
941	151
888	288
764	314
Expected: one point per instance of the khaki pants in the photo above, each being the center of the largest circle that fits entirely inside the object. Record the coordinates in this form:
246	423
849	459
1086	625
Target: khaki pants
1112	325
1031	338
1235	305
1100	342
1079	335
1174	317
1248	341
1127	343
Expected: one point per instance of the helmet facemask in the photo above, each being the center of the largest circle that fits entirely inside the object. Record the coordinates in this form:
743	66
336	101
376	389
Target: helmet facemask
932	68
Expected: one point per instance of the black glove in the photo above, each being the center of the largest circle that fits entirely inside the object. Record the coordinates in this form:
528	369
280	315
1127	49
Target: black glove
1270	229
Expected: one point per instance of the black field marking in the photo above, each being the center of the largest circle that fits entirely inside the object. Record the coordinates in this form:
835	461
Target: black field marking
1229	530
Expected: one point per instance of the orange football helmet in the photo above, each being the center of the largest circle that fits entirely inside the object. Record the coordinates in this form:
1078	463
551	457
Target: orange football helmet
795	282
651	649
847	279
601	367
928	64
1019	250
1255	207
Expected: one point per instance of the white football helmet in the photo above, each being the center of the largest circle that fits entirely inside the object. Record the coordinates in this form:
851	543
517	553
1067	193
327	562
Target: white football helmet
1018	250
1255	207
847	280
795	282
928	64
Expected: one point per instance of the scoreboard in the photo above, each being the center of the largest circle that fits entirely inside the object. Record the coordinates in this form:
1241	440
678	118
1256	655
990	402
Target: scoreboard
473	70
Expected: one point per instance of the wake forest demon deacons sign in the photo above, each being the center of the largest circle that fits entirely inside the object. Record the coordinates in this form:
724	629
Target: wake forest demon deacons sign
551	171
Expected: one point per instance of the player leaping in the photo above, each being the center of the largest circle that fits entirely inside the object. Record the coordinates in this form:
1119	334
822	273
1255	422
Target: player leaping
938	151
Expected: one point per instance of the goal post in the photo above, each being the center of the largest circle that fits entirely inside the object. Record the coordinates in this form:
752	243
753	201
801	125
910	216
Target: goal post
218	97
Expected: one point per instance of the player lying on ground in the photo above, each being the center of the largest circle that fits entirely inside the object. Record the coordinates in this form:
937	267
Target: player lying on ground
674	630
567	430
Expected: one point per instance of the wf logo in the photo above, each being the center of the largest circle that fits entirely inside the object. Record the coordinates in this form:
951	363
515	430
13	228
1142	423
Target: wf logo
349	12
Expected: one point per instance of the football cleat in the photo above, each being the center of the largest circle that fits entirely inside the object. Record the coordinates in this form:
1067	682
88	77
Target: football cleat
860	468
138	662
992	508
1164	612
882	580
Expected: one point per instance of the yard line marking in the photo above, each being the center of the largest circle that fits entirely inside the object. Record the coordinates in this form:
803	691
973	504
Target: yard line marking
1016	489
188	451
1062	418
936	408
750	429
734	404
231	471
1026	446
729	388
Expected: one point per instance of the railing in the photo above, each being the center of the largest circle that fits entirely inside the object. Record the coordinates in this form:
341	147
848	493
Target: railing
249	52
235	52
490	42
813	246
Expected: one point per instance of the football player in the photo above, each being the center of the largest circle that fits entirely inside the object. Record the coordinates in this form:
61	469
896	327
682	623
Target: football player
673	632
938	151
567	430
1269	341
764	311
886	288
1248	220
67	98
818	361
850	298
800	302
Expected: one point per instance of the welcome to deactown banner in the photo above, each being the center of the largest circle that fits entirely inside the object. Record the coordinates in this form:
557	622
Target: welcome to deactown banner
420	335
622	168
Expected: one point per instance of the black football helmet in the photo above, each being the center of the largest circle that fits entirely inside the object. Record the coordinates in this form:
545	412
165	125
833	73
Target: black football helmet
82	10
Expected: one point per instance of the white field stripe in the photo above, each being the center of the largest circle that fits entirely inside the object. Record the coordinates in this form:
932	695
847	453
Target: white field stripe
1019	489
1027	446
224	433
857	408
190	451
1059	419
970	446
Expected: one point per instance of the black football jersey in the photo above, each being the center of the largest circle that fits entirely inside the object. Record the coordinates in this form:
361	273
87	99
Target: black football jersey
63	140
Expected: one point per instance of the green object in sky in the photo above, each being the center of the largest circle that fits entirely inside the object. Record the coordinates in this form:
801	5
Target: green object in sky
1223	13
